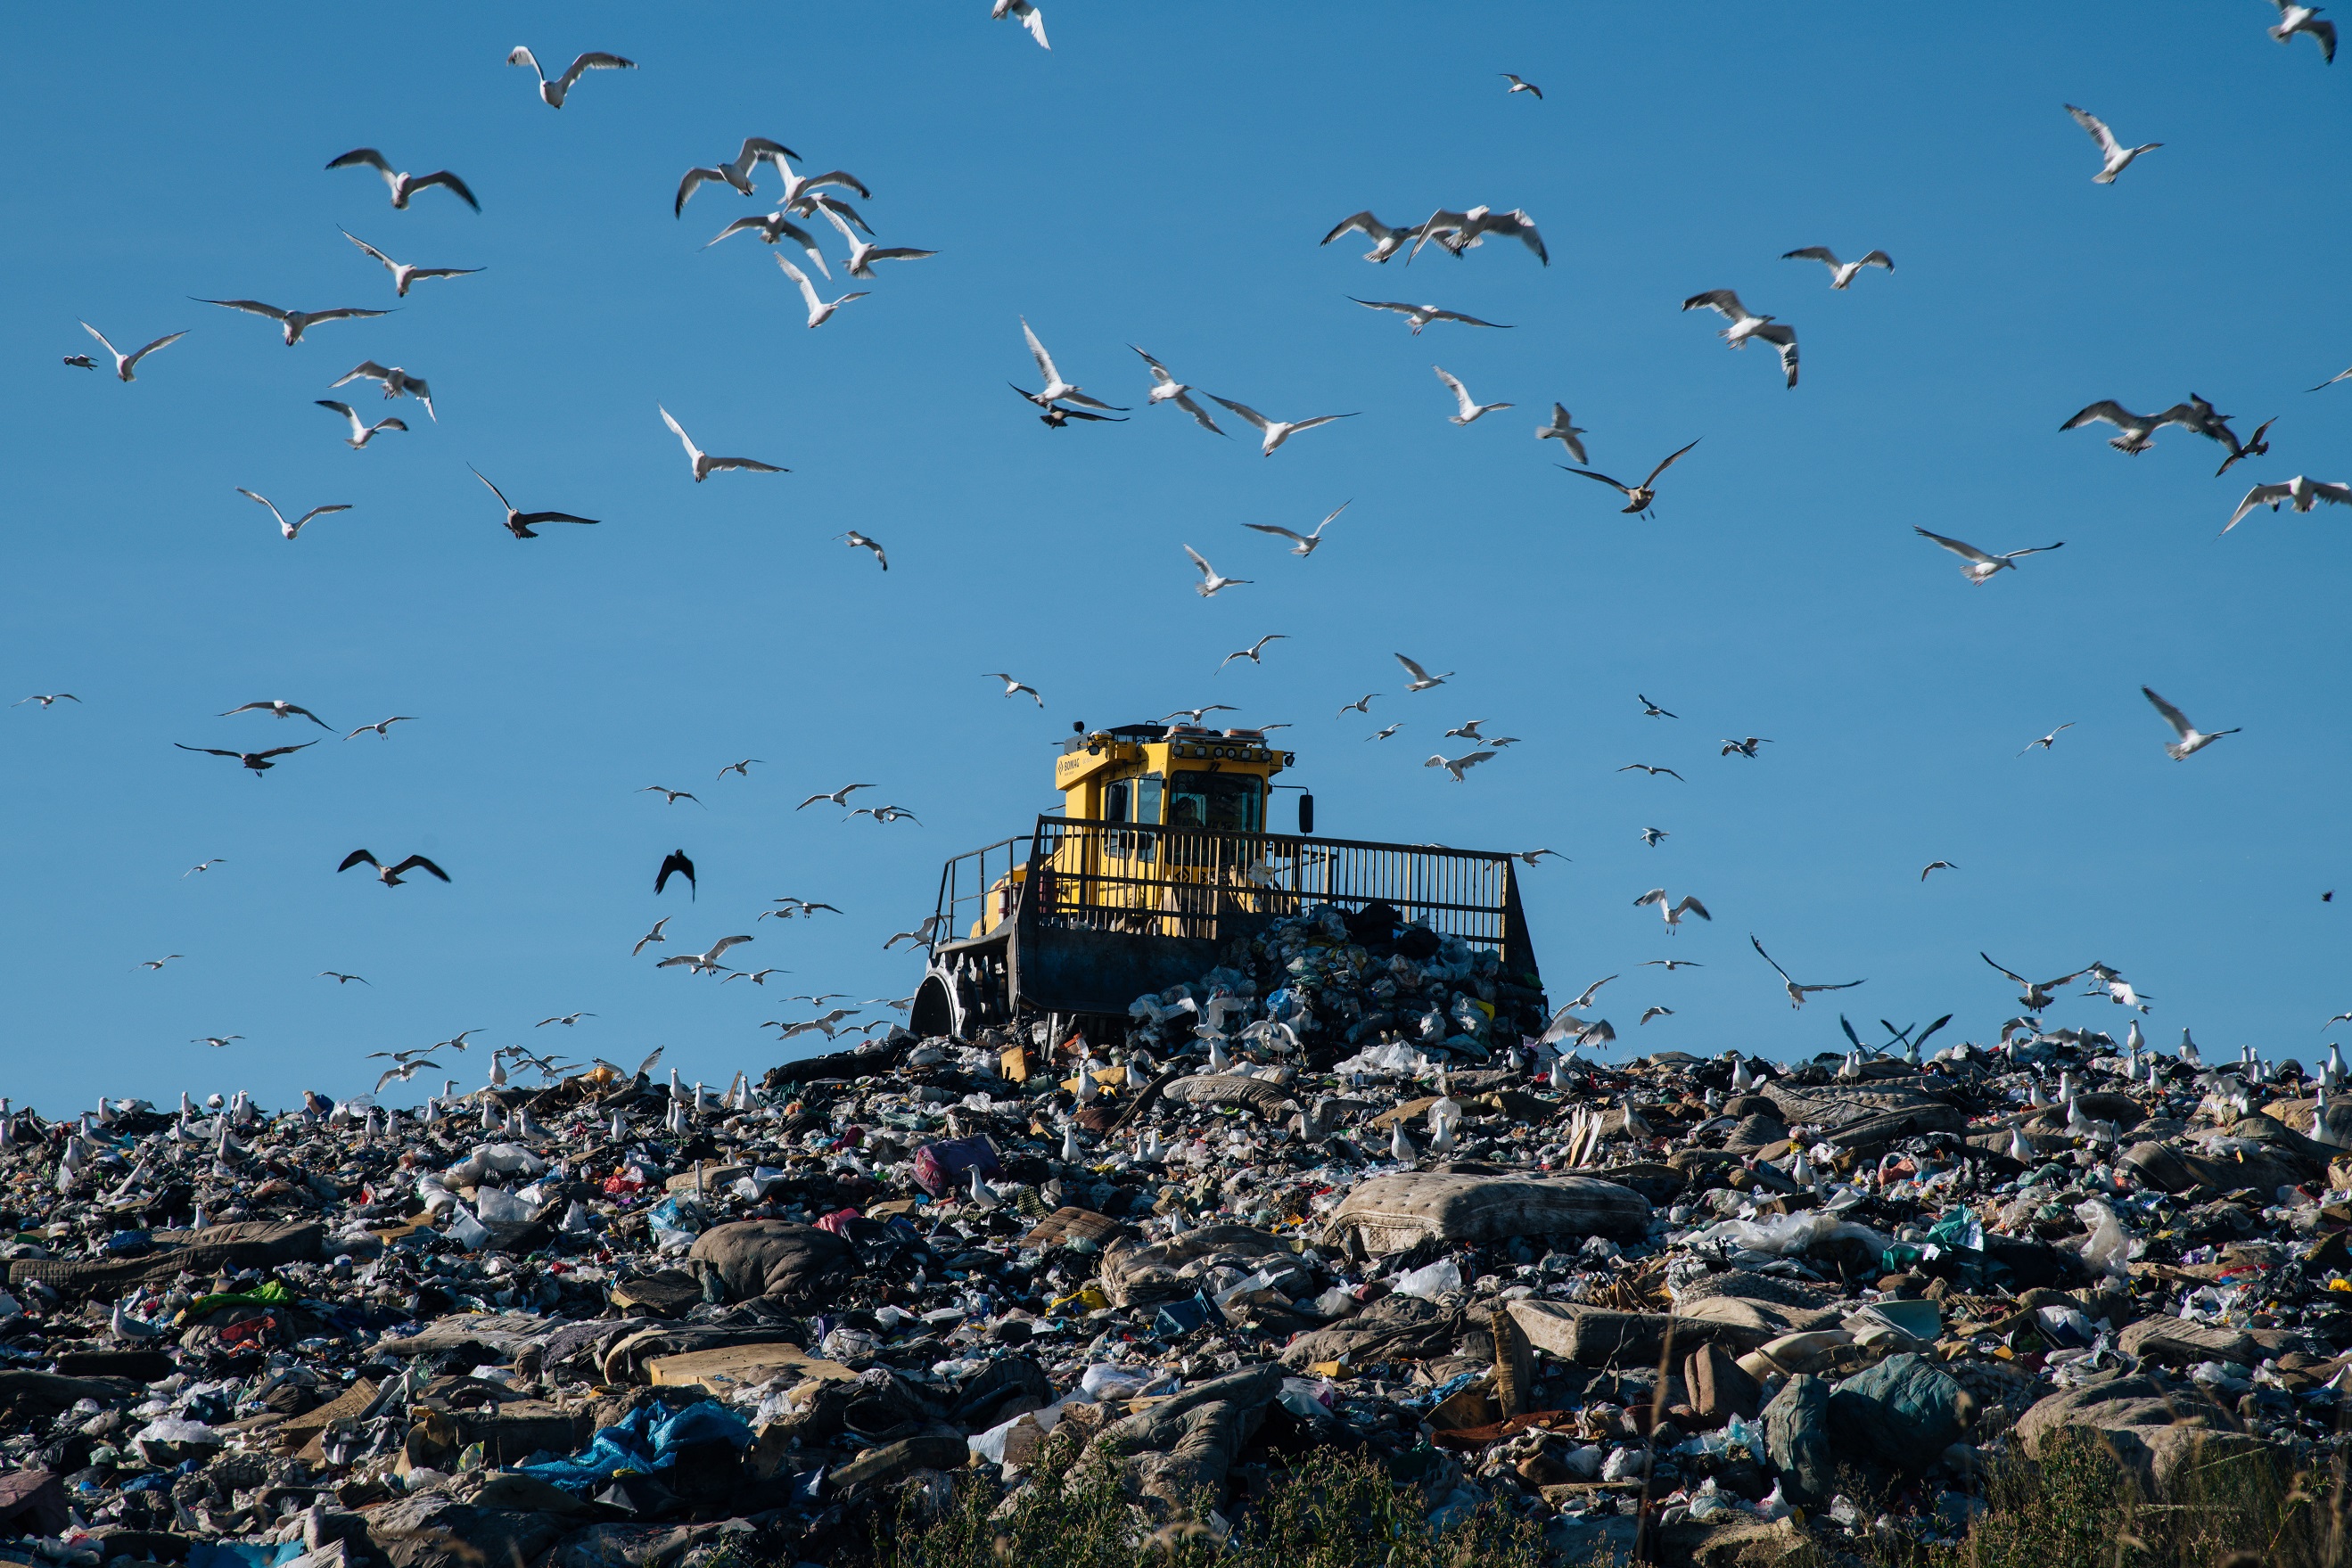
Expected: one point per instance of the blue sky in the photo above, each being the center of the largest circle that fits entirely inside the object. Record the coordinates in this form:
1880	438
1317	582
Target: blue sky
1159	177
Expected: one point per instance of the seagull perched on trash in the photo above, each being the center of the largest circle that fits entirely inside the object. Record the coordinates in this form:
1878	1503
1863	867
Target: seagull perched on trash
1842	273
1457	765
1303	544
552	93
403	185
125	364
1639	498
1423	314
1386	241
1166	388
1797	993
2192	740
1421	679
2302	494
1211	584
1981	568
1468	408
1746	324
390	875
1011	688
1673	912
2113	156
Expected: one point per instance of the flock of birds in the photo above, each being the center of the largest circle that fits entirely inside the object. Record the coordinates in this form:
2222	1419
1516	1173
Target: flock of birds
805	206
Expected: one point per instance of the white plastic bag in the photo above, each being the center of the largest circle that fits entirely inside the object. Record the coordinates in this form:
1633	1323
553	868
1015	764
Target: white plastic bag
1431	1282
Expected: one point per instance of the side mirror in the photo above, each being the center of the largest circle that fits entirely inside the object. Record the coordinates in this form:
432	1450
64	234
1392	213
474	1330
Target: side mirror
1306	812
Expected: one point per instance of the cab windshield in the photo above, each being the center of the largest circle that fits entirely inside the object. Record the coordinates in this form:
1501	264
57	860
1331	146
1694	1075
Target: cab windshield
1222	802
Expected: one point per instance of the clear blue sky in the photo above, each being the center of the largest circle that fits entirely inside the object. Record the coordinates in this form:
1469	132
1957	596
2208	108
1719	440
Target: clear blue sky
1160	178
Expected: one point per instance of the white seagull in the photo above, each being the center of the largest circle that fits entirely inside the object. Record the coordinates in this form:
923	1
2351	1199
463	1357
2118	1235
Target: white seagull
1055	389
1166	388
2113	156
124	364
360	433
839	796
294	527
383	726
1673	912
551	93
1303	544
736	172
2298	18
2302	493
1797	993
798	188
1210	583
1519	83
1840	272
1746	324
1011	688
1251	653
703	464
403	274
1423	314
1275	431
1421	679
1565	431
1466	230
2049	740
1386	241
771	228
1025	14
1457	765
2192	739
2138	429
820	311
394	381
404	186
862	254
1981	568
295	323
703	963
1468	408
857	540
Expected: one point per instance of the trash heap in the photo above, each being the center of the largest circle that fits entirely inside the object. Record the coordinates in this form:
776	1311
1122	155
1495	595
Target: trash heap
1336	1195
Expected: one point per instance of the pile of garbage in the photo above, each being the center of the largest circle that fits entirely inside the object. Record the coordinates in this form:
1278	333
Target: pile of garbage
1353	1191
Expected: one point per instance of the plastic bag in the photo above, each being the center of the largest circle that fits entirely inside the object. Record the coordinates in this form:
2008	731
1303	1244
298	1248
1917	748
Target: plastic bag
1431	1282
2108	1250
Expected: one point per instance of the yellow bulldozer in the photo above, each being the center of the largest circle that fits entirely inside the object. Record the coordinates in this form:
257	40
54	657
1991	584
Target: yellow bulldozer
1161	857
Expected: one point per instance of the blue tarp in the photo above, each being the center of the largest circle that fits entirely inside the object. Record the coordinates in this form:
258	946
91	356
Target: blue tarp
646	1440
241	1554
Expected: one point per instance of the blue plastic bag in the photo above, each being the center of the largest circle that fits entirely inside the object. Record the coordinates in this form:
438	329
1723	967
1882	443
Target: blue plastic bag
646	1440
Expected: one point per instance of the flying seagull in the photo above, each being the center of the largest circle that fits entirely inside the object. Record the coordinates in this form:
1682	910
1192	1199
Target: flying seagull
342	979
159	962
1797	993
292	528
1671	965
676	864
1055	389
1519	85
772	229
1981	568
1275	431
79	362
742	767
2113	156
404	186
1565	431
1937	865
1362	704
1745	748
1746	324
1011	688
1651	836
2138	429
360	433
381	726
259	761
403	274
1211	584
295	323
279	708
1673	912
216	1041
1842	273
651	936
1166	388
1457	765
1466	230
841	797
703	464
2257	446
1303	544
669	797
2344	375
1030	18
736	172
394	381
1656	1012
1383	735
2192	739
2302	493
390	875
1468	408
1386	241
124	364
1653	772
2295	18
819	310
1056	417
2036	996
703	963
1651	709
857	540
203	865
1423	314
551	93
1639	498
1196	715
1531	856
1421	679
863	255
1251	653
2049	740
519	523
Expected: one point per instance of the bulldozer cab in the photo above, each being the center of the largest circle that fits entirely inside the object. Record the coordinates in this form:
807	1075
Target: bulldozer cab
1161	857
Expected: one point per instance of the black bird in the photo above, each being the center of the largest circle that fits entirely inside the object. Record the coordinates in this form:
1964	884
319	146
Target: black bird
519	523
674	861
1055	415
256	760
390	874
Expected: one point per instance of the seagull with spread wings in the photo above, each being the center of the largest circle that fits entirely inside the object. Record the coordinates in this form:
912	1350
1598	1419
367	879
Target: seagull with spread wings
2302	494
1055	389
1842	273
1011	688
391	875
279	708
819	310
1252	651
2295	17
2113	156
2049	740
552	93
402	274
403	185
841	797
521	523
1211	584
295	323
394	381
1027	14
1746	324
1565	431
670	797
704	963
651	936
2036	995
1797	993
1275	431
1457	765
1467	409
1423	314
1463	231
1386	241
360	433
857	540
2138	429
1652	771
1639	498
862	256
1421	679
1674	912
1302	544
294	527
1166	388
736	172
2192	739
1981	568
125	364
772	229
703	464
257	761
